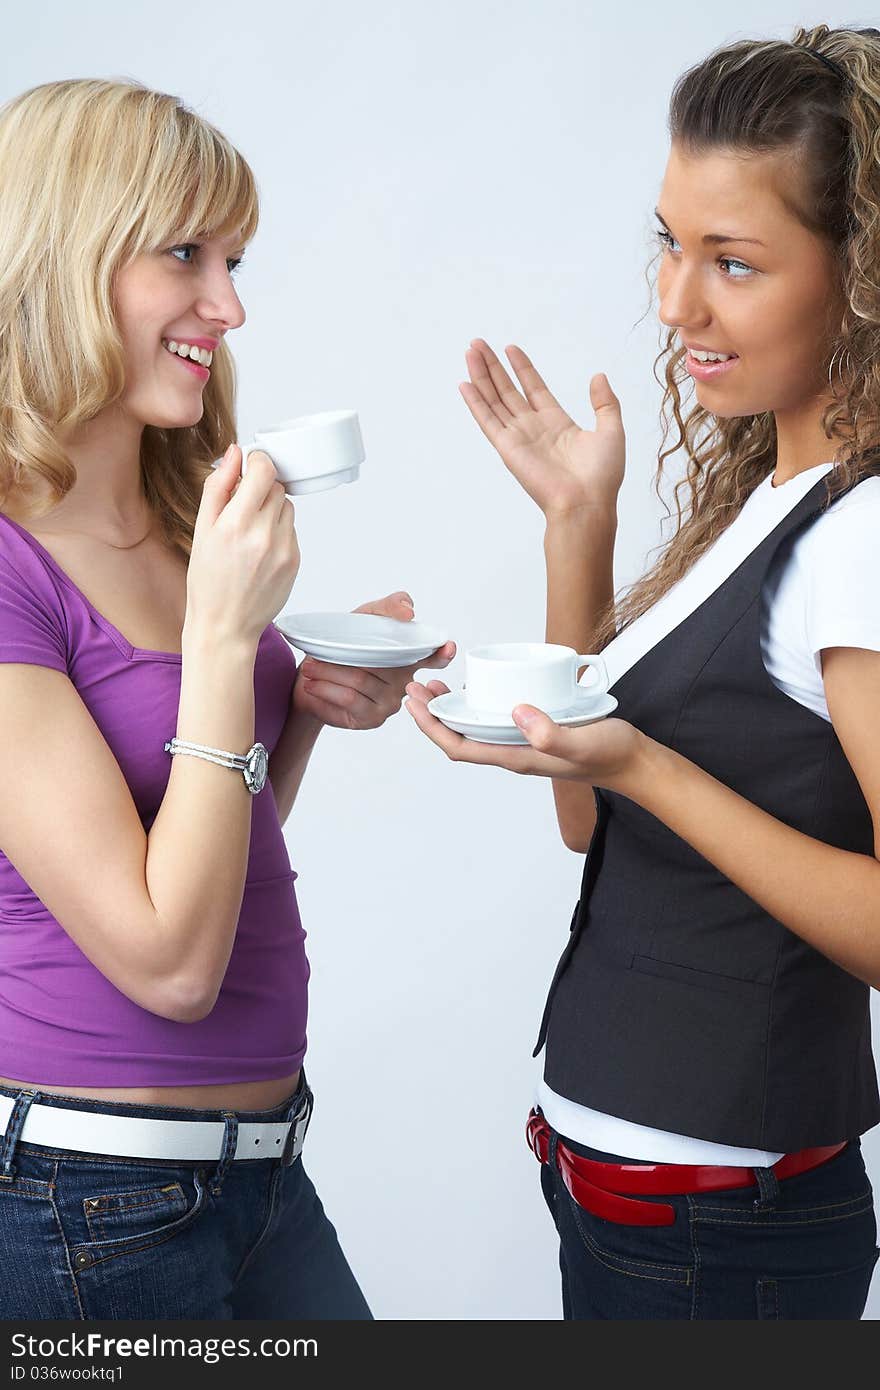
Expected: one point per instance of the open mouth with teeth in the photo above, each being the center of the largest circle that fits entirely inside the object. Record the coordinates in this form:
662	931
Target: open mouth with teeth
201	356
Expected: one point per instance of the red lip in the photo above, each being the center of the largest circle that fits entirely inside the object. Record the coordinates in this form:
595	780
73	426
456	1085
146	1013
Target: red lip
209	344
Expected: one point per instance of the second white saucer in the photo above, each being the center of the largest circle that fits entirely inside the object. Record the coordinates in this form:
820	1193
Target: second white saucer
454	711
360	639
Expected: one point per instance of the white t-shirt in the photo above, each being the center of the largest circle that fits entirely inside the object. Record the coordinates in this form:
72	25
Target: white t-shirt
820	591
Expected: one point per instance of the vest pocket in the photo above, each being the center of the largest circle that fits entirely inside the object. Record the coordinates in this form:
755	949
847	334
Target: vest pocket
703	979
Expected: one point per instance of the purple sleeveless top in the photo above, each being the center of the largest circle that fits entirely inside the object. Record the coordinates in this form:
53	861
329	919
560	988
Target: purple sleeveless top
61	1021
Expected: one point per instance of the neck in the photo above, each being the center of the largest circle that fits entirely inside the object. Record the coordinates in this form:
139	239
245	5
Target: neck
107	498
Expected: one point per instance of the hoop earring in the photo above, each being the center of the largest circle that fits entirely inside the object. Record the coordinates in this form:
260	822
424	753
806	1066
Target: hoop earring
831	363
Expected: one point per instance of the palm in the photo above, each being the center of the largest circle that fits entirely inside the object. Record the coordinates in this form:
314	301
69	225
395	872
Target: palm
560	465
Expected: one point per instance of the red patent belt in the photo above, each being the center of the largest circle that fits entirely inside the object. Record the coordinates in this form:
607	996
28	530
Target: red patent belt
596	1185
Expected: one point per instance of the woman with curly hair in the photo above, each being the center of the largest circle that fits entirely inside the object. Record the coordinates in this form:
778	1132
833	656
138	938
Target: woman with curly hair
153	976
706	1062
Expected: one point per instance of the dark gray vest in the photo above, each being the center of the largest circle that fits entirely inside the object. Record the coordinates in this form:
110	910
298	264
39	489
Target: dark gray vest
679	1002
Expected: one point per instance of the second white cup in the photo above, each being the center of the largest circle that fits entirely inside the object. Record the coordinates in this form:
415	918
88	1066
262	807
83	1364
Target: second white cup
543	674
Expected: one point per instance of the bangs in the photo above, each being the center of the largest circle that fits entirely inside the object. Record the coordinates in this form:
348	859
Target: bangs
200	186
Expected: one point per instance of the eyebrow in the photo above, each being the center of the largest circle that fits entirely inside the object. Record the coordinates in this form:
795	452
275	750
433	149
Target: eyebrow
715	237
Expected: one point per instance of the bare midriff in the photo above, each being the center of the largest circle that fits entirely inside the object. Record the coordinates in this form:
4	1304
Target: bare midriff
235	1095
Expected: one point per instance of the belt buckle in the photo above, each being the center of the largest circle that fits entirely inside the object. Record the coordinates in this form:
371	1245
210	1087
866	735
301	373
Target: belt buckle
297	1132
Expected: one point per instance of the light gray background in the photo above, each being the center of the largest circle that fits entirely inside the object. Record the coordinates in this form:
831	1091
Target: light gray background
430	174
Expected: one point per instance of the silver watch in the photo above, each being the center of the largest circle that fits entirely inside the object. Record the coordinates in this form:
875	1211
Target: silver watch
253	765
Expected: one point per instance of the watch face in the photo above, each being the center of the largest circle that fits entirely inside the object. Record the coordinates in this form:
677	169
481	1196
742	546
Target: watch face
258	767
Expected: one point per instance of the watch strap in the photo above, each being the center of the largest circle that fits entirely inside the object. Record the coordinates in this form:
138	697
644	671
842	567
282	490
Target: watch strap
252	765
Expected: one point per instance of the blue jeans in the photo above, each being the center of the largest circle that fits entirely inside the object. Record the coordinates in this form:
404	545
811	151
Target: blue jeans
803	1247
164	1242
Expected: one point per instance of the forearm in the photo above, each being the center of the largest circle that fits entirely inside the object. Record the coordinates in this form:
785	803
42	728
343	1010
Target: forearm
579	554
827	896
290	758
198	845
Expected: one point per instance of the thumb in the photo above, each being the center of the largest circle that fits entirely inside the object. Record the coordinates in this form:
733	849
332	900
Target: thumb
540	730
398	605
605	403
220	485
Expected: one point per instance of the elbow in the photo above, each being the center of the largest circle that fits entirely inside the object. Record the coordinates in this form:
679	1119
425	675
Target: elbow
577	836
185	1001
578	844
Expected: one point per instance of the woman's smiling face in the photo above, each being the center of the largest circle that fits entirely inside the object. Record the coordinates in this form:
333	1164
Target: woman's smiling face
182	294
769	299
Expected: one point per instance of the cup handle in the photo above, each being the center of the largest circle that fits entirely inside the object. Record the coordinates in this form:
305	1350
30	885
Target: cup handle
600	686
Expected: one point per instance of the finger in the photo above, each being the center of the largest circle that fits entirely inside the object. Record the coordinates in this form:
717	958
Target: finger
368	683
463	750
493	428
481	377
426	693
220	485
344	698
609	417
257	486
557	746
440	658
507	392
399	605
275	504
537	393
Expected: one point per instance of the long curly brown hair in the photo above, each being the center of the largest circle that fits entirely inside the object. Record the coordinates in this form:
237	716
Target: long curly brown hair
762	96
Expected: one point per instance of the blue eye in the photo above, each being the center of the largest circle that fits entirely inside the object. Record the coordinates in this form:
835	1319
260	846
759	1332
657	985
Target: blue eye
233	263
666	239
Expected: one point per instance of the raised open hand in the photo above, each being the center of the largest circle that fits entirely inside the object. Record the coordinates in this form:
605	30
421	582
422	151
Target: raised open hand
562	467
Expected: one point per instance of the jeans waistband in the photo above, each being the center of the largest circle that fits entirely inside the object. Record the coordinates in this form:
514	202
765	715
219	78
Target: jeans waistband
143	1110
224	1136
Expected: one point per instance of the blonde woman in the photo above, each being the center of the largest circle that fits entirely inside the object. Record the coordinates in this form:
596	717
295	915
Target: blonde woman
152	970
706	1064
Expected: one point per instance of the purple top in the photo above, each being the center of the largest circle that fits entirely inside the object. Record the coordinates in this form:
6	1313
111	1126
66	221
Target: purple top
61	1021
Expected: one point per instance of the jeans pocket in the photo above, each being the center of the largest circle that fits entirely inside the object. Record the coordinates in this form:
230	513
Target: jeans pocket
634	1246
134	1212
121	1222
840	1294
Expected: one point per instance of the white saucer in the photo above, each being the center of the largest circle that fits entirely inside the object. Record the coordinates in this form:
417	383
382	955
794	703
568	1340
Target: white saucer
360	639
454	711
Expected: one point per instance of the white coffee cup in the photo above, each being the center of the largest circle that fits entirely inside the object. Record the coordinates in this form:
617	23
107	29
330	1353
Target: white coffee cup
313	452
544	674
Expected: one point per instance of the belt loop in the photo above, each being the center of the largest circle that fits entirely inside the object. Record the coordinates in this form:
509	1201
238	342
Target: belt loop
230	1141
768	1189
551	1147
299	1115
23	1102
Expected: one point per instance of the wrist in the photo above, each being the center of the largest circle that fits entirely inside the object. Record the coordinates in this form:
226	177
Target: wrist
197	642
648	761
591	520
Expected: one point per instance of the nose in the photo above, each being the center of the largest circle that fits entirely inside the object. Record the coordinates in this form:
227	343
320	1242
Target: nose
218	302
681	305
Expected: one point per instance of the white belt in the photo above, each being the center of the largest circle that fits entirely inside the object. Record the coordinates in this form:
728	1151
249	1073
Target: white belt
126	1136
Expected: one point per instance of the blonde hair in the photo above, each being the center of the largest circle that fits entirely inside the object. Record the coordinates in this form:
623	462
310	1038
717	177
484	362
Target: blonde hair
758	97
93	173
